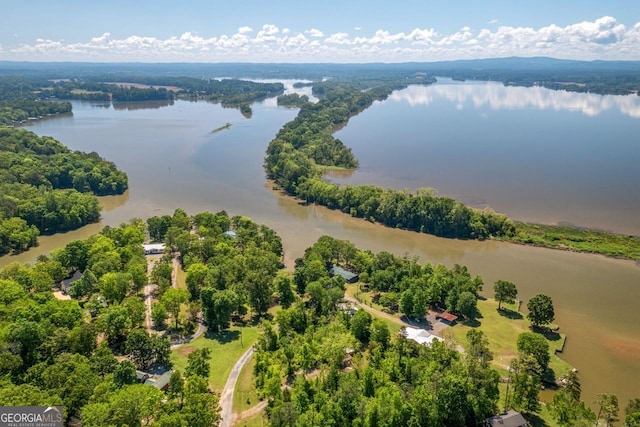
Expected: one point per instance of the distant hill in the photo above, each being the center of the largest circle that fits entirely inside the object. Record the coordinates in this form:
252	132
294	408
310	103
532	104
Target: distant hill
615	77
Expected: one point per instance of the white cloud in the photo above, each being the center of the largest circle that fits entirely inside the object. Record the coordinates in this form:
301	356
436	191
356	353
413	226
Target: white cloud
338	38
493	21
603	38
357	28
314	32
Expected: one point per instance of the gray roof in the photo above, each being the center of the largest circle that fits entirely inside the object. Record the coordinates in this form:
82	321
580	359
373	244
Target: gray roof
344	273
65	284
510	418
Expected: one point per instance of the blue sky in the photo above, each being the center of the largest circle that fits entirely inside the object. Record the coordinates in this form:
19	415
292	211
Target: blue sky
316	31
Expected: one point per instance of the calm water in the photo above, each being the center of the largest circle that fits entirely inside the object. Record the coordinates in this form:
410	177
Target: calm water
174	160
532	153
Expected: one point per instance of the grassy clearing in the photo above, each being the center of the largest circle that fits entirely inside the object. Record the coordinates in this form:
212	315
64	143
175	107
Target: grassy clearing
245	395
257	420
501	328
576	239
226	349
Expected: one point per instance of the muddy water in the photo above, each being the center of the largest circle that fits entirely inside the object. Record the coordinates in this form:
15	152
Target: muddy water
174	160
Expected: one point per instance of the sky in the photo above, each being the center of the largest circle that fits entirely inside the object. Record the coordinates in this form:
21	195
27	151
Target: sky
303	31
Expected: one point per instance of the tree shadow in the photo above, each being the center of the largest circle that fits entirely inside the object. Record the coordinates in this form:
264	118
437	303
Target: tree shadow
549	378
471	322
510	314
535	420
224	336
547	333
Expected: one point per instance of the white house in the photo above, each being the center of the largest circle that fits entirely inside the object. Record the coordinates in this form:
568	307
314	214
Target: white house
420	336
153	248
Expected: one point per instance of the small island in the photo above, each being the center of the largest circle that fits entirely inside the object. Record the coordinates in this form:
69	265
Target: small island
221	128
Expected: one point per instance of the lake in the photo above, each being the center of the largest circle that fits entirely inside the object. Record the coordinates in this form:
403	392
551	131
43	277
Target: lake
420	137
533	153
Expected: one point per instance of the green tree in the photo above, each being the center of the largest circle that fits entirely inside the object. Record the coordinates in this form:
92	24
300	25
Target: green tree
360	324
173	299
632	413
284	287
102	360
535	345
504	291
124	374
114	286
608	407
159	315
540	310
114	322
467	304
140	348
525	378
26	337
479	347
196	278
136	310
198	363
379	332
176	387
217	307
200	407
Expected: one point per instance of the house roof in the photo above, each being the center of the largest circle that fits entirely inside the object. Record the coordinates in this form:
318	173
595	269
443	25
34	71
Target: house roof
421	336
510	418
154	246
66	283
344	273
448	316
163	380
231	233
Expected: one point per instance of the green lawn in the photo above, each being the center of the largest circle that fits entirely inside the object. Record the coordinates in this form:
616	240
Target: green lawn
245	395
226	349
502	330
258	420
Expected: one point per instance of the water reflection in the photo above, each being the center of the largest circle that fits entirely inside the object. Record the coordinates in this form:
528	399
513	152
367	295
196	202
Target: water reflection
499	97
142	105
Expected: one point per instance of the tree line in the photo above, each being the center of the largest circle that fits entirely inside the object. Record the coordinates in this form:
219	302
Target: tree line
296	157
46	188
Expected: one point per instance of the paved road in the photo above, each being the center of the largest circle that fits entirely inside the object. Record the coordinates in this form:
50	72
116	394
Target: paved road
226	398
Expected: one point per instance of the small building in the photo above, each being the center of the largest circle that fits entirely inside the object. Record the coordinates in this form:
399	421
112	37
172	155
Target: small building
348	276
231	234
161	382
510	418
65	284
447	317
347	308
420	336
142	376
154	248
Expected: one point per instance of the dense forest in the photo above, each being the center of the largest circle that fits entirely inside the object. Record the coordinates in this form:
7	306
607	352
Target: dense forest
30	97
324	362
83	353
47	188
229	262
